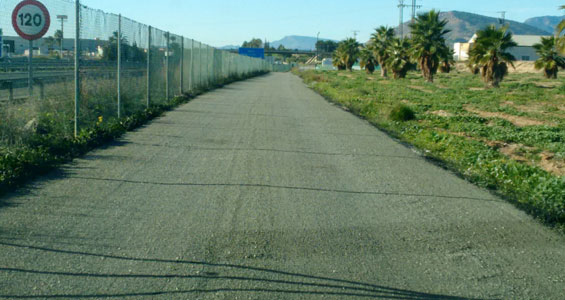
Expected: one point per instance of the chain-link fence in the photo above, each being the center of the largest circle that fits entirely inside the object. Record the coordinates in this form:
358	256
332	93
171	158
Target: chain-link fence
121	67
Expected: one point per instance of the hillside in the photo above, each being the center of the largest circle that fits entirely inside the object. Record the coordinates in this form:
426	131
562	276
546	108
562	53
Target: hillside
297	42
463	26
547	23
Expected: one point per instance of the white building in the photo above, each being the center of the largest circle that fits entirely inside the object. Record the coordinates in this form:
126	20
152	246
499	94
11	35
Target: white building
523	52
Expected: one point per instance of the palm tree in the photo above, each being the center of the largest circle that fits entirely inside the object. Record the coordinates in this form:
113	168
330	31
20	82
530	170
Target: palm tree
428	42
490	55
368	60
560	30
398	57
338	60
446	60
380	41
549	59
348	53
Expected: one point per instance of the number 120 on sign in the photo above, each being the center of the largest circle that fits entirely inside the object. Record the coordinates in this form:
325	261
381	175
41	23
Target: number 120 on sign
31	19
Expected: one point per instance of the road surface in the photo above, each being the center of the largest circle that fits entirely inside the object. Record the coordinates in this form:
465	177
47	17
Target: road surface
263	190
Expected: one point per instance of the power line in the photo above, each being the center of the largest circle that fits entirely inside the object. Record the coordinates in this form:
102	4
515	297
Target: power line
414	7
502	19
401	6
355	32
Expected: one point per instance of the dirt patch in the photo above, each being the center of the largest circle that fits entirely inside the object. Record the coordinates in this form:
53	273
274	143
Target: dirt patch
344	74
441	86
515	151
521	67
441	113
420	88
552	165
553	84
539	108
477	89
518	152
548	162
516	120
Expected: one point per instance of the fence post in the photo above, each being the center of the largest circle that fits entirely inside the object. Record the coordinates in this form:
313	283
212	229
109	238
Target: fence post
41	90
167	68
77	64
10	86
207	79
191	79
30	70
148	66
119	79
181	65
200	64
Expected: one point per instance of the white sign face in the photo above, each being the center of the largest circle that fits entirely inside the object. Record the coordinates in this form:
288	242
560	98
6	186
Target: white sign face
31	19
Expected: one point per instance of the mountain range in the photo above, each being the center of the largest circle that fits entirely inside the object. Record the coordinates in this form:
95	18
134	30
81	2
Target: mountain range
463	26
547	23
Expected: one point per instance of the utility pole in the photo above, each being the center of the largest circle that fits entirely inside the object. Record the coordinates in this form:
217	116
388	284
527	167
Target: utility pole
401	6
317	51
355	32
502	19
63	19
414	7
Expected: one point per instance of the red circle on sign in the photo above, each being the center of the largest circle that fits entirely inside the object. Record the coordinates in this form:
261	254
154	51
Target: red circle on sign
45	13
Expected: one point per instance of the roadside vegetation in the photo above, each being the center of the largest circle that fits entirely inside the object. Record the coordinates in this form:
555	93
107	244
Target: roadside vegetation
510	139
501	130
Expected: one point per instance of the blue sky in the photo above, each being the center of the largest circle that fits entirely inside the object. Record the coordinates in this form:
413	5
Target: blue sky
223	22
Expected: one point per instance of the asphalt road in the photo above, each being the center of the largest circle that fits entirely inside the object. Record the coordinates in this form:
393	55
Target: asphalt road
263	190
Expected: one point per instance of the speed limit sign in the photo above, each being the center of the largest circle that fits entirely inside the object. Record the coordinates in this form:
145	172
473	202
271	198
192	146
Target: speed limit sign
31	19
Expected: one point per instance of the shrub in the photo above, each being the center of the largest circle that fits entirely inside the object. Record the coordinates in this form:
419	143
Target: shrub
401	113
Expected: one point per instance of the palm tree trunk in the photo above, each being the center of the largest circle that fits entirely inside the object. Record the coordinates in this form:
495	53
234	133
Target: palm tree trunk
384	71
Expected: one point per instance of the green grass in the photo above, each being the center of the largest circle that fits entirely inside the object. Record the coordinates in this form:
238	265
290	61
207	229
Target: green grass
470	129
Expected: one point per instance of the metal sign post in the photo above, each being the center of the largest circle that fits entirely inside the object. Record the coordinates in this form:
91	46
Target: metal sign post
119	49
148	66
167	67
1	44
77	64
181	65
31	20
30	70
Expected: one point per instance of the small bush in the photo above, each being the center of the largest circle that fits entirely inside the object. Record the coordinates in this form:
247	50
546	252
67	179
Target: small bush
402	113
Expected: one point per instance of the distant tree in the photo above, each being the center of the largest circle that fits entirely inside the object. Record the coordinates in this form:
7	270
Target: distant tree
348	52
490	54
549	59
281	47
560	34
368	60
381	41
58	36
254	43
428	42
50	42
398	57
473	67
447	60
326	46
129	53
